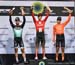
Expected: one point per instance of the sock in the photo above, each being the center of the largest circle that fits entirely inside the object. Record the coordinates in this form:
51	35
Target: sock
17	60
24	59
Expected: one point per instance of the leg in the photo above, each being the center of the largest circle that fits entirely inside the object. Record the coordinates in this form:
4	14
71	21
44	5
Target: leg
57	50
16	54
57	46
22	50
23	54
43	44
43	50
62	48
37	45
16	49
36	51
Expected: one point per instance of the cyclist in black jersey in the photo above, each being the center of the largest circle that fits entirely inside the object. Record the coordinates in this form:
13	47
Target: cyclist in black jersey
18	29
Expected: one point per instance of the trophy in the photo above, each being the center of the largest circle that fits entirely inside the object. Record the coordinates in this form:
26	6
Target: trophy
38	8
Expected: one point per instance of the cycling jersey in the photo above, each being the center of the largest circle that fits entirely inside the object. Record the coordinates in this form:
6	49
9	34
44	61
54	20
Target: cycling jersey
40	24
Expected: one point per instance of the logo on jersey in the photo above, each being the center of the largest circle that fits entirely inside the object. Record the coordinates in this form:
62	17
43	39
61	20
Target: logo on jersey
40	24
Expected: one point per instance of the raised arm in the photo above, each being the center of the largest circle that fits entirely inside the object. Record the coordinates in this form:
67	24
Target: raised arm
10	18
47	13
24	20
23	14
33	14
69	17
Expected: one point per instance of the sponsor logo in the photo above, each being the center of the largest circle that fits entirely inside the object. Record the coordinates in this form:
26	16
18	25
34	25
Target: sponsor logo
41	63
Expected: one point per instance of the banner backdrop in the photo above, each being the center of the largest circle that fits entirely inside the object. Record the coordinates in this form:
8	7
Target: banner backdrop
29	32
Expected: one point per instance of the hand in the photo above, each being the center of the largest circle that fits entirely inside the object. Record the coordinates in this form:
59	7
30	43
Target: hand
65	8
21	8
10	11
70	11
32	8
54	42
13	8
48	8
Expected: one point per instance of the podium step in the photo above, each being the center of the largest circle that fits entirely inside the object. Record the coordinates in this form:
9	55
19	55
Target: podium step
46	62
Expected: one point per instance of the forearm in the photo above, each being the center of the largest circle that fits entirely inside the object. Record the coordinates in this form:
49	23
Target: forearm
24	20
68	19
47	14
53	35
10	20
33	16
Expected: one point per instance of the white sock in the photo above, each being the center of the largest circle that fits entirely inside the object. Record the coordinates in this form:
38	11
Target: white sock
24	59
17	60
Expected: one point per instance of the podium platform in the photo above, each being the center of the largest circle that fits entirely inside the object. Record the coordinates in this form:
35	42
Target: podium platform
46	62
9	59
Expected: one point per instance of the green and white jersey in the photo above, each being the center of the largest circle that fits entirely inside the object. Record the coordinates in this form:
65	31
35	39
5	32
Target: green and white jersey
18	31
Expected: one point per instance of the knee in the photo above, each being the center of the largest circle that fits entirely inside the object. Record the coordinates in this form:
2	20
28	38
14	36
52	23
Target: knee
22	50
62	49
37	46
57	49
16	50
43	45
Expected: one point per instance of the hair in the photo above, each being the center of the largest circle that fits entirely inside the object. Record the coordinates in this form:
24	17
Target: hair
58	18
17	19
40	15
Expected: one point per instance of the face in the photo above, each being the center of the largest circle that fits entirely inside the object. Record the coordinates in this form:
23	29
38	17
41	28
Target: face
40	17
58	21
17	23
